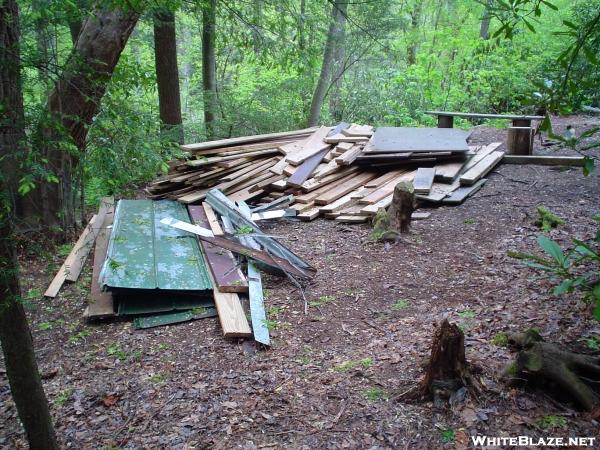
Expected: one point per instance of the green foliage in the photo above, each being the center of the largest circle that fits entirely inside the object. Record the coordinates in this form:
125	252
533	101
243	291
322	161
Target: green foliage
551	422
500	340
401	304
447	436
577	268
323	300
593	343
374	394
547	220
62	397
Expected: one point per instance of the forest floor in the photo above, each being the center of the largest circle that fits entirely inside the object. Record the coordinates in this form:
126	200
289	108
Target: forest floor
332	378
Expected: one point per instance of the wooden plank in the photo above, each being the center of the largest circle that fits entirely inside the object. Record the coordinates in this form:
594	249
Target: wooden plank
403	139
231	315
439	191
279	167
358	130
300	207
243	169
343	201
62	273
82	248
321	189
309	214
372	209
305	170
219	159
449	171
213	222
343	188
351	219
241	149
544	160
340	138
484	116
266	183
245	195
459	195
387	188
244	139
349	157
101	304
381	180
423	180
481	153
481	169
226	275
312	146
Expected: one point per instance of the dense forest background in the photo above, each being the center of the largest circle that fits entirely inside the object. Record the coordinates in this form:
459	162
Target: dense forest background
390	62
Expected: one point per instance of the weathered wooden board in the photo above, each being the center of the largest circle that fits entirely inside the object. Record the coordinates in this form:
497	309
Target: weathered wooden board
397	139
305	170
439	191
225	271
423	180
342	189
310	147
101	304
481	169
546	160
358	130
387	188
459	195
349	157
212	219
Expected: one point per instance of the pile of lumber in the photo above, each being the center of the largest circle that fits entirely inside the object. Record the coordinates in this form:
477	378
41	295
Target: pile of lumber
346	172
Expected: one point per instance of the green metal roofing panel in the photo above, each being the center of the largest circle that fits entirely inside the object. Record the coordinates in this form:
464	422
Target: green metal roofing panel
145	254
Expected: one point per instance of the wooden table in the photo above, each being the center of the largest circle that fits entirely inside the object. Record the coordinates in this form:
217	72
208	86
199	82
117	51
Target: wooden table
520	140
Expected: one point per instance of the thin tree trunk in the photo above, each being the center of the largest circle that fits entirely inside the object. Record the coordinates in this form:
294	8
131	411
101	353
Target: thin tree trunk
72	105
335	96
301	24
484	29
338	17
209	66
44	47
415	18
256	26
15	336
167	76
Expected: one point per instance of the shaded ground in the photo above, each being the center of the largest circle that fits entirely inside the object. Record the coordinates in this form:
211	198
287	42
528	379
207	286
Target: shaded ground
332	377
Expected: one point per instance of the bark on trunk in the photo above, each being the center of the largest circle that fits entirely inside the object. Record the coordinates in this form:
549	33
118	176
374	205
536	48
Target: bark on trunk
72	105
209	66
338	17
484	29
15	337
415	18
402	207
167	76
339	62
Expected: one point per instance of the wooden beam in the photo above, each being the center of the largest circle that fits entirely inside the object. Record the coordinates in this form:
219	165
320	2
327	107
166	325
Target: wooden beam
549	160
305	170
343	188
423	180
481	169
211	217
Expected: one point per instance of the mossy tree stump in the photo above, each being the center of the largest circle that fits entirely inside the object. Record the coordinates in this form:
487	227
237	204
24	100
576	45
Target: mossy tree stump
388	224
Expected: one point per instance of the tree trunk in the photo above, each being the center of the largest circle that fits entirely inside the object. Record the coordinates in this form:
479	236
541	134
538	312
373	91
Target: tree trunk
484	29
209	66
72	105
447	368
257	12
338	17
415	18
45	53
335	97
15	336
167	76
301	24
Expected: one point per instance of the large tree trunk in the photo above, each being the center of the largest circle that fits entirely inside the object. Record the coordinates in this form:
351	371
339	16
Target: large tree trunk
338	17
72	105
167	75
15	337
209	66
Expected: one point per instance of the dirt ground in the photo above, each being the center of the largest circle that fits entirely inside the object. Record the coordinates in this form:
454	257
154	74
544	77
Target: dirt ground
333	377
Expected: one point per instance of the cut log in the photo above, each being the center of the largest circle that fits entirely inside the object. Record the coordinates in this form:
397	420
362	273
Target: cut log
402	207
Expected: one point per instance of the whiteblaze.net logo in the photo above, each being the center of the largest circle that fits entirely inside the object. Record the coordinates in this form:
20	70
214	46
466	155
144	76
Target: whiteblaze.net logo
528	441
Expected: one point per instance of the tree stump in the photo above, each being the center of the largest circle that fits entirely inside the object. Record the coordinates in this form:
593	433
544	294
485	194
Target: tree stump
402	207
542	362
447	369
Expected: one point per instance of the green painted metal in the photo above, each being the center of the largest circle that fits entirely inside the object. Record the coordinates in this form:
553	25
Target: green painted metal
145	254
172	318
148	302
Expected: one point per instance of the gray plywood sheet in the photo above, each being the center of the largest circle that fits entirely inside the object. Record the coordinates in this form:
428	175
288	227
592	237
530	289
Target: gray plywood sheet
396	139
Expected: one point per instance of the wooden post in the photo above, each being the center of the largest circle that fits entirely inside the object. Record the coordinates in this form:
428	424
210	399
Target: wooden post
521	123
445	121
402	207
519	141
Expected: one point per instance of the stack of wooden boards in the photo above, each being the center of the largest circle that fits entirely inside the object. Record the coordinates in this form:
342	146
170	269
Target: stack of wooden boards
346	172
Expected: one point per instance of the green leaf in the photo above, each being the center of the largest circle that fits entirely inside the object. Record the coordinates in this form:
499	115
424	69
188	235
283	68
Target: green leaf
590	55
570	24
565	286
528	25
552	248
588	165
589	133
550	5
546	124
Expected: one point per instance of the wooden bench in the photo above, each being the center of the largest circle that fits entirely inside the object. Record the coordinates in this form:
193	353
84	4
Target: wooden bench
520	133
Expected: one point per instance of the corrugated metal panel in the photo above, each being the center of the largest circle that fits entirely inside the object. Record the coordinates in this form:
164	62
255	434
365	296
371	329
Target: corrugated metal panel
145	254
